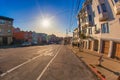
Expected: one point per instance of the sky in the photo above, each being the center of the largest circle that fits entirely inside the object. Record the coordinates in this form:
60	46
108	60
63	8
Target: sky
29	14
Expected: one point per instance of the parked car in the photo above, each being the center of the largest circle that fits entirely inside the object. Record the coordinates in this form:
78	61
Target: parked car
34	43
26	44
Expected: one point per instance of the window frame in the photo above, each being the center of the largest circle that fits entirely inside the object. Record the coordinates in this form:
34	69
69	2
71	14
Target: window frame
2	21
9	31
105	28
98	8
112	2
90	18
116	1
104	8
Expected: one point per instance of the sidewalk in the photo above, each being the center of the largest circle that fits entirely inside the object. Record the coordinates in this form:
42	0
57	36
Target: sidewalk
110	67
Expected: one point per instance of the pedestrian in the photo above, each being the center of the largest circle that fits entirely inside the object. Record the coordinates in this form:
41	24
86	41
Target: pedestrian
100	60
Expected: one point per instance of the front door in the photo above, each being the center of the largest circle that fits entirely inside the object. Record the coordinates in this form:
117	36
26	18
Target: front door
5	42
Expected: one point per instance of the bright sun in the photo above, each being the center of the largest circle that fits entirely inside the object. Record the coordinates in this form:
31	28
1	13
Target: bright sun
46	23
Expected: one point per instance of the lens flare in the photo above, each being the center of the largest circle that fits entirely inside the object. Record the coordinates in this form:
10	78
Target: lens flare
46	23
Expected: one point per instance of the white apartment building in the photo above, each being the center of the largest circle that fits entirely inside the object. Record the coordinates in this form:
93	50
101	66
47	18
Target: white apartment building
100	20
75	36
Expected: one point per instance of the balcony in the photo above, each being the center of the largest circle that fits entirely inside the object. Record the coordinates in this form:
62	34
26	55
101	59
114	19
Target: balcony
103	16
85	14
101	1
117	8
86	24
87	34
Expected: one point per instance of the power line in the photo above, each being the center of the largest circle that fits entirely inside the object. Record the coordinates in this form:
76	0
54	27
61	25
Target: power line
74	11
77	6
71	16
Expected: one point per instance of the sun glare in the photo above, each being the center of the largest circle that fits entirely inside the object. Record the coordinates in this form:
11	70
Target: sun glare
46	23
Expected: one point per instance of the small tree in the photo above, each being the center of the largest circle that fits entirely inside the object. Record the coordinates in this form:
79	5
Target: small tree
82	36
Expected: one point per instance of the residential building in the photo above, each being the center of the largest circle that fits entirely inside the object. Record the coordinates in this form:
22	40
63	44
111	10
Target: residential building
42	38
34	38
22	36
28	36
54	39
19	37
6	25
102	27
67	40
75	40
16	30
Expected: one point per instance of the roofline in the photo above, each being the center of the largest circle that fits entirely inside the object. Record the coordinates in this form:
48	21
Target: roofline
75	28
6	18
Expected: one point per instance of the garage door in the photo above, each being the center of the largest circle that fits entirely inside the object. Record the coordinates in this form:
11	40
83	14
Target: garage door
117	49
105	47
84	43
90	45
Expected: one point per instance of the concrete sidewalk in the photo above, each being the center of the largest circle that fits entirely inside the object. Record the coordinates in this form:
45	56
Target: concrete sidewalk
110	67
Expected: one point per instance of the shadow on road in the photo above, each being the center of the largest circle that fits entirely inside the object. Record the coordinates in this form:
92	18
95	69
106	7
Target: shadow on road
116	73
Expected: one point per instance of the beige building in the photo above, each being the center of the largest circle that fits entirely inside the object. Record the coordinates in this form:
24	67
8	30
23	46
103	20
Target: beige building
6	25
75	36
99	20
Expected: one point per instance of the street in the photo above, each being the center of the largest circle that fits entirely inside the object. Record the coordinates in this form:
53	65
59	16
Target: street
52	62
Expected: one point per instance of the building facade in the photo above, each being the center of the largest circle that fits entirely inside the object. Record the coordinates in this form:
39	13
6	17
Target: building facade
22	36
75	40
34	38
99	20
6	25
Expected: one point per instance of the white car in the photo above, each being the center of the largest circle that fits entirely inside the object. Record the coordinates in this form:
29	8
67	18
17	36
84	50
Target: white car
26	44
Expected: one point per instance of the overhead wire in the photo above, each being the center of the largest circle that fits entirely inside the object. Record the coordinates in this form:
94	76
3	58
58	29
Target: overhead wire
71	16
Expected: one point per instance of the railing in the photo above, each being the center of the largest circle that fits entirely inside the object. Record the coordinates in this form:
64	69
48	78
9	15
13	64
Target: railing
103	16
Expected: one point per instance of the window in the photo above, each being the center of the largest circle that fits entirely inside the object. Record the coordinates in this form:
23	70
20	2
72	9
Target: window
88	7
2	21
90	31
115	1
90	18
0	30
9	22
84	30
112	2
105	28
96	27
94	13
9	31
98	9
103	7
86	19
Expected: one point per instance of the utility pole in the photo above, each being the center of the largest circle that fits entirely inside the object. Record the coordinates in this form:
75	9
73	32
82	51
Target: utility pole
66	32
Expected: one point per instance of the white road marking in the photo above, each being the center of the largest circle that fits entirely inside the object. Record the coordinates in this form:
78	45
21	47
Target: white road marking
39	77
3	74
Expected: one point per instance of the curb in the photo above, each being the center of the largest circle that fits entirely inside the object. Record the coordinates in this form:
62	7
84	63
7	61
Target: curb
97	73
85	64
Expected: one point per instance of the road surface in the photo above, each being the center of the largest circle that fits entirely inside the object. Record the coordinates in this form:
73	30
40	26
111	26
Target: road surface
52	62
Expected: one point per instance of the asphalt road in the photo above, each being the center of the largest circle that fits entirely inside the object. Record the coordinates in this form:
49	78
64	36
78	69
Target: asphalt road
52	62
